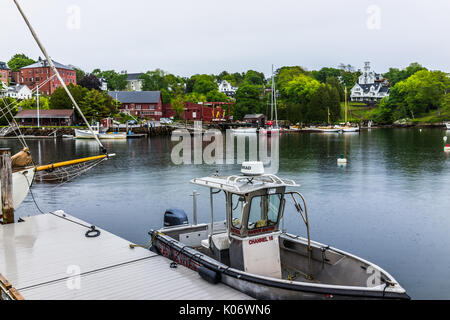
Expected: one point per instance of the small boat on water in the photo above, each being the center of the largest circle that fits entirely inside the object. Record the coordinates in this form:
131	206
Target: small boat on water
244	130
87	134
330	129
251	252
447	125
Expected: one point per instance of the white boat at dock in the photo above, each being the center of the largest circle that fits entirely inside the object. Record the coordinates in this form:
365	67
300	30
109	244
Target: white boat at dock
87	134
251	252
244	130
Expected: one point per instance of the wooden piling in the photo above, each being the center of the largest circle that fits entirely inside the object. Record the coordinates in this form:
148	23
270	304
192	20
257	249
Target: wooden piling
6	186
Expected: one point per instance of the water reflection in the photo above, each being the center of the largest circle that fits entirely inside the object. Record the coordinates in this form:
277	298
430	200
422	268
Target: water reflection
389	204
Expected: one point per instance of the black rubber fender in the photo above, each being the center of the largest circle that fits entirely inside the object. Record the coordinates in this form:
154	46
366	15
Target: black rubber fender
209	275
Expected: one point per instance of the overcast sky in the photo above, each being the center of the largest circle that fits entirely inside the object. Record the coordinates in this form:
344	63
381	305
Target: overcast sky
208	36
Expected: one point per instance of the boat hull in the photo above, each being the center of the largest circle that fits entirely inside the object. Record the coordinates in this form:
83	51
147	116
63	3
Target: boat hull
86	134
447	125
244	130
21	181
261	287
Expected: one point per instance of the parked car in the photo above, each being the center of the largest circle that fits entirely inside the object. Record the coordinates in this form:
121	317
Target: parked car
165	121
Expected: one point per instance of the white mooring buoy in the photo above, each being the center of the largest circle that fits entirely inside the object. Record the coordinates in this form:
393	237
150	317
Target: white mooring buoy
445	138
341	160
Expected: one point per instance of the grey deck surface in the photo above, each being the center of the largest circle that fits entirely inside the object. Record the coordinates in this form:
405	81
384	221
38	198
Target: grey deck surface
37	256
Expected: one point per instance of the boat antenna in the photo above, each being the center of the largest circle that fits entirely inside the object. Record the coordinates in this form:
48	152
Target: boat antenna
50	62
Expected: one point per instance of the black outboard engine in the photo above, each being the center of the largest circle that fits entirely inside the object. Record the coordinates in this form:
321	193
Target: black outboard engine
175	217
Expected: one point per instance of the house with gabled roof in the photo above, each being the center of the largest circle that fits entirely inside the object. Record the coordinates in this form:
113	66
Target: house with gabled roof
371	86
142	104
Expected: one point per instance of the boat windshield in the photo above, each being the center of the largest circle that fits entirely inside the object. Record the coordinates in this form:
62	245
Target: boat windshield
264	210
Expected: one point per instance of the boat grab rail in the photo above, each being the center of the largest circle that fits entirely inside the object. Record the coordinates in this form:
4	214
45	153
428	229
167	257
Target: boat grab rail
304	214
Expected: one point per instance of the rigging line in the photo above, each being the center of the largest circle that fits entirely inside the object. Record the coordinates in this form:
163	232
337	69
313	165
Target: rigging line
53	213
22	140
50	62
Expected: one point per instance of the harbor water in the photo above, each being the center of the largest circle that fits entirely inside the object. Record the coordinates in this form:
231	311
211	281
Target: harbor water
390	204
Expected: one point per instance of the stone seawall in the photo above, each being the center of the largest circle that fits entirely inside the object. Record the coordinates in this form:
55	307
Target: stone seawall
41	132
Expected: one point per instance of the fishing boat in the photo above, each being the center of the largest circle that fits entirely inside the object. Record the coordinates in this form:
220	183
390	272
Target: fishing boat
251	252
87	134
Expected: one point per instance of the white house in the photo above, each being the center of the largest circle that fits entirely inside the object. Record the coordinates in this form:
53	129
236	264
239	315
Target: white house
103	84
371	86
133	82
19	91
227	88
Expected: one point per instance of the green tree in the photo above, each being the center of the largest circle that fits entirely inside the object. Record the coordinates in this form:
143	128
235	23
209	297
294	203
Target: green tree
248	100
18	61
60	100
177	104
116	81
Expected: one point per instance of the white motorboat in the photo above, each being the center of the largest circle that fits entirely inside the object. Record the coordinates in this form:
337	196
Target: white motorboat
447	125
244	130
350	129
87	134
329	129
251	252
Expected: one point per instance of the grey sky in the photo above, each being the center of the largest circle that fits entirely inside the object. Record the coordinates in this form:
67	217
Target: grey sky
209	36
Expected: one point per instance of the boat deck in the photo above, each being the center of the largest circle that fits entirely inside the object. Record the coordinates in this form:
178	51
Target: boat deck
49	257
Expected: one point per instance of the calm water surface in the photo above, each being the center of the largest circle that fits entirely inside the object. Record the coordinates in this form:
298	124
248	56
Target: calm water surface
389	205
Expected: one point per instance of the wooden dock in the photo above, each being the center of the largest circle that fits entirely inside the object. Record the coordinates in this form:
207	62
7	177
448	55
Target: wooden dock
48	256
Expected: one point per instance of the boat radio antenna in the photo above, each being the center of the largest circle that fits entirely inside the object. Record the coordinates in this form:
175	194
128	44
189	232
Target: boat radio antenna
50	62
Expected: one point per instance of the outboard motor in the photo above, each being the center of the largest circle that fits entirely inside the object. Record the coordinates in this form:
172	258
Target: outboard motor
175	217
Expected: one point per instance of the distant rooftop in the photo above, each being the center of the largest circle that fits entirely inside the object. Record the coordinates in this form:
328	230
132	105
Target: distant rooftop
52	113
133	76
3	66
136	96
43	63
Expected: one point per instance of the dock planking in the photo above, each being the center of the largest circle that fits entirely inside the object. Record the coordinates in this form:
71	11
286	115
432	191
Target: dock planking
47	256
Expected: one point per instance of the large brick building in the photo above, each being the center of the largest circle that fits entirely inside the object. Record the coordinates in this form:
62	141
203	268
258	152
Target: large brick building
39	72
4	73
142	104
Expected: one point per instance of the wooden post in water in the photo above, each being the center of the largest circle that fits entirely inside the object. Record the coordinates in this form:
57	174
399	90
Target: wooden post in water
6	186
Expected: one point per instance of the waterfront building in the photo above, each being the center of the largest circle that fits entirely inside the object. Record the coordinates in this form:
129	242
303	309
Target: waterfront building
227	88
53	117
39	72
133	82
371	86
142	104
258	119
19	91
5	73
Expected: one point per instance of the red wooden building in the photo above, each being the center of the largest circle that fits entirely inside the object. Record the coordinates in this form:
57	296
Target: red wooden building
39	72
207	112
141	104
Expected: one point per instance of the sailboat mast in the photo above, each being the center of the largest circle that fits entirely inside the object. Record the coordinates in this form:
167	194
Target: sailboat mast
275	100
345	104
50	62
271	100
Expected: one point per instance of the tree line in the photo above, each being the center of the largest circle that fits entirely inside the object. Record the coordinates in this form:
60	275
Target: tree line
302	96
